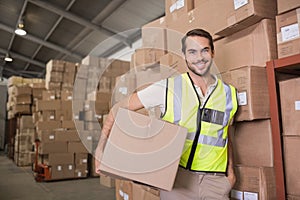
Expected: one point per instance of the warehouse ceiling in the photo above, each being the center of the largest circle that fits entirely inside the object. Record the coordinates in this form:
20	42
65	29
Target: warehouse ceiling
68	30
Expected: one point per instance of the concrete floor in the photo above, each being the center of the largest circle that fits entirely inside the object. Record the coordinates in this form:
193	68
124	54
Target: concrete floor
18	183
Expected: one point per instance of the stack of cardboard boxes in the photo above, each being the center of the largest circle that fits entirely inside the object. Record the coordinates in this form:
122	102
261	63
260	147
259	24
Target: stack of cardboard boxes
288	44
60	146
21	93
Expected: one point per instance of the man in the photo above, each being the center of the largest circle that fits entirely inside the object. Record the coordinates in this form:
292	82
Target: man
206	106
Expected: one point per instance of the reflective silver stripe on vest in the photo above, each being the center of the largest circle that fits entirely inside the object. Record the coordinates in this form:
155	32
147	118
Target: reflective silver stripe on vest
177	99
219	141
190	135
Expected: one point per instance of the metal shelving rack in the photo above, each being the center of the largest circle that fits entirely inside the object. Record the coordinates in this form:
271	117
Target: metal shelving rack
290	65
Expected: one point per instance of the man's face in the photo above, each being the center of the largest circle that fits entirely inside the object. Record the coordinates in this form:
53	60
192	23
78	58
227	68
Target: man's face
198	55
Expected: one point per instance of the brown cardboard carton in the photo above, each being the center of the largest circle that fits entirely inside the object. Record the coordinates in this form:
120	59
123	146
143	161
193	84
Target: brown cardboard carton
22	99
123	189
81	159
254	45
55	65
254	183
62	171
253	94
292	197
253	143
154	34
291	164
53	147
58	158
76	147
66	136
288	37
290	106
46	136
107	181
48	125
140	191
26	122
42	105
48	95
143	149
21	108
287	5
175	8
68	124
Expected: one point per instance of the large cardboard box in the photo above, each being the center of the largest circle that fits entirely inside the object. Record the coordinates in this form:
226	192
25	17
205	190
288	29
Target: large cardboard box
143	149
291	146
26	122
58	158
53	147
253	144
175	8
290	106
287	5
154	34
123	189
288	33
254	183
254	45
253	94
140	191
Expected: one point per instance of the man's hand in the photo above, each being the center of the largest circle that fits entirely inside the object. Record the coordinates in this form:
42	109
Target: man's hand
231	177
99	152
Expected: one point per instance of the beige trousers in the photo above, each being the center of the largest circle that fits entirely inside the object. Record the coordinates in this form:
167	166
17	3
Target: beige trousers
194	186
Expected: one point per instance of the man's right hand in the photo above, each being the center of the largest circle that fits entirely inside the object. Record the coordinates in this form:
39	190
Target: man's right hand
99	152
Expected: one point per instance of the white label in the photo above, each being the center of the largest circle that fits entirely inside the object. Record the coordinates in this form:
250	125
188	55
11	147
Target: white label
123	90
70	167
76	116
51	117
172	8
236	194
52	97
126	196
121	193
69	98
89	138
179	4
51	137
87	106
79	174
250	196
242	98
239	3
84	161
59	168
297	105
290	32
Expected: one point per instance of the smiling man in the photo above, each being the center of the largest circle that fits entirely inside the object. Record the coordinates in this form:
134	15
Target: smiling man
206	106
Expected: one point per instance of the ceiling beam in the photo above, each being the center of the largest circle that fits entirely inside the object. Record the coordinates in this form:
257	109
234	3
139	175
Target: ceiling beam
17	73
43	42
79	20
21	57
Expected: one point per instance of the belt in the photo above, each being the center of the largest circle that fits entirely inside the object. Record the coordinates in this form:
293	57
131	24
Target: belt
212	173
205	173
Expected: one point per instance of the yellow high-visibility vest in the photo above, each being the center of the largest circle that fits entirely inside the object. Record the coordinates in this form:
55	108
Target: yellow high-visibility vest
205	148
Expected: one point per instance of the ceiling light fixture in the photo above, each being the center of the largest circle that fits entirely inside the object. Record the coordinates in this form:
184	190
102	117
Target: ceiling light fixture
7	58
20	29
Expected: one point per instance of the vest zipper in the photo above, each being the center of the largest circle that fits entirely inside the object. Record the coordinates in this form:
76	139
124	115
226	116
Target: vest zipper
199	116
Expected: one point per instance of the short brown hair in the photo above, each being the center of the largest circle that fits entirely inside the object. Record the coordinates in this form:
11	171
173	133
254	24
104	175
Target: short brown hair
197	32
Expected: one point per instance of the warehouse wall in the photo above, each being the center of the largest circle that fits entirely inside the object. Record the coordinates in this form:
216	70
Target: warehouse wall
3	96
